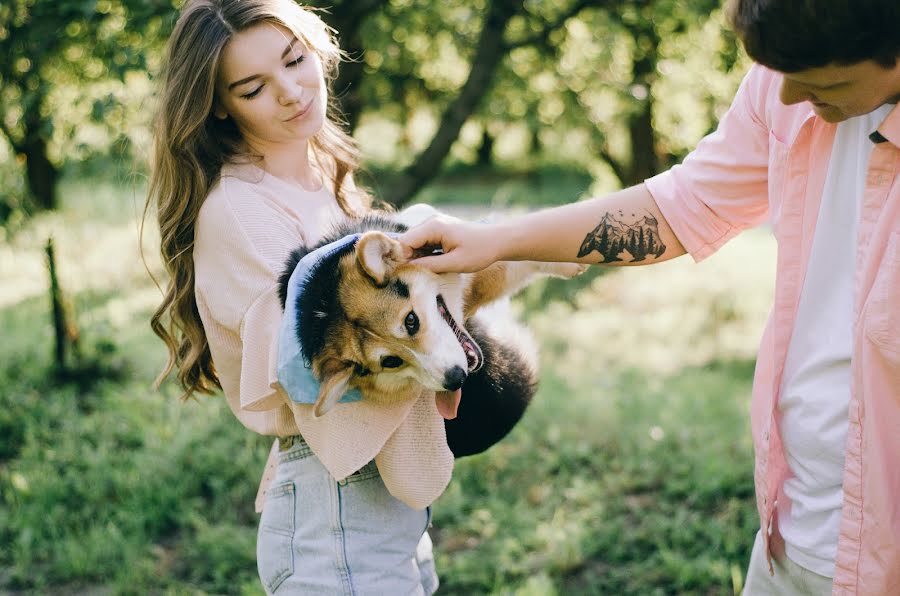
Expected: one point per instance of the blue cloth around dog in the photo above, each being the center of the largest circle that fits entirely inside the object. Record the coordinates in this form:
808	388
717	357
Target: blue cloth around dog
293	372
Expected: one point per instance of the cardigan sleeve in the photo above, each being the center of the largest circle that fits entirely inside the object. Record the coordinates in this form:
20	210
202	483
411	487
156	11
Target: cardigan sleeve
240	246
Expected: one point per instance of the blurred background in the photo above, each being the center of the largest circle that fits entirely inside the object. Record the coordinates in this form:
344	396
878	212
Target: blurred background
632	471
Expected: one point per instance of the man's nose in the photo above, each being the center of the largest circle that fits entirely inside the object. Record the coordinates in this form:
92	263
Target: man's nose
792	93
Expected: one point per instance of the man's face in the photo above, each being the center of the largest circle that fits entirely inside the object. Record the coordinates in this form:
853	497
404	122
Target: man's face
841	91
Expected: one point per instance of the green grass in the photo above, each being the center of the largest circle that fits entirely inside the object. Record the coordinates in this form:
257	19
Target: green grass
630	474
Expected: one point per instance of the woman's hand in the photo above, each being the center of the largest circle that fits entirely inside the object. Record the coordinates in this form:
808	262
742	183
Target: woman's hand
466	247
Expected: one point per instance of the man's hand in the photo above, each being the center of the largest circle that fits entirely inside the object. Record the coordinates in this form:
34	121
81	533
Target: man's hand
463	247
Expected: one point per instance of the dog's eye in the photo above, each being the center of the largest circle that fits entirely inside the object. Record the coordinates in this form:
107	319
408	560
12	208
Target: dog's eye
412	323
391	362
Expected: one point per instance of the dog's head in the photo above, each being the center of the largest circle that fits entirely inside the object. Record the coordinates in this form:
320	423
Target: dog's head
398	328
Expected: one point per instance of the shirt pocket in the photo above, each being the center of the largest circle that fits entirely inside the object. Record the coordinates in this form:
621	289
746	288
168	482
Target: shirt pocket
882	316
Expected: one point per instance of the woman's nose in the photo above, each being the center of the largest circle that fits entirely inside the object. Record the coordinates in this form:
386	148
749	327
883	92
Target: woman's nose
288	92
288	97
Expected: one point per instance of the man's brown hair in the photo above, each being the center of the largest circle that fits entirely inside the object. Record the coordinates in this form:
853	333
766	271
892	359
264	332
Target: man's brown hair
793	35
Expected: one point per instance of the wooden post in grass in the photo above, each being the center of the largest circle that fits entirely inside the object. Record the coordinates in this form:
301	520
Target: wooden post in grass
66	331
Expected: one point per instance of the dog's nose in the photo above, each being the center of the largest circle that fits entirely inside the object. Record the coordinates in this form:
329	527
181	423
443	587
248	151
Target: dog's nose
454	378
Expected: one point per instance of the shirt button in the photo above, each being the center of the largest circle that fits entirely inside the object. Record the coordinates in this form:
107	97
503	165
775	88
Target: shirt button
766	436
343	482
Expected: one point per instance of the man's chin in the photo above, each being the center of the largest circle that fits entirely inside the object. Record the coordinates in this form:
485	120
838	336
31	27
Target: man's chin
830	114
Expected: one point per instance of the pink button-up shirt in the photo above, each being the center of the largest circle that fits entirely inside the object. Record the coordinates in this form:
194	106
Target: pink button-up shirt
767	161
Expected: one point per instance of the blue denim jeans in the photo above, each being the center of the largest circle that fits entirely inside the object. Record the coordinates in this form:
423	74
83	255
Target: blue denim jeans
319	536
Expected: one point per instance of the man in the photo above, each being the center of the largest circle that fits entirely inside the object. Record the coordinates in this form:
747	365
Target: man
811	144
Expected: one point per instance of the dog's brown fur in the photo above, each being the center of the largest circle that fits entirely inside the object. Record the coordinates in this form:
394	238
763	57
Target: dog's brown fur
373	326
356	312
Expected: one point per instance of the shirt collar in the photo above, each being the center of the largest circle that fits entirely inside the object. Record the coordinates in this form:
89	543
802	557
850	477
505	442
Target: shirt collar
889	129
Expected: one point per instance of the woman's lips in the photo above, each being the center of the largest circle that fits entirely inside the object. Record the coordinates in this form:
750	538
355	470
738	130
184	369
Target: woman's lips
301	112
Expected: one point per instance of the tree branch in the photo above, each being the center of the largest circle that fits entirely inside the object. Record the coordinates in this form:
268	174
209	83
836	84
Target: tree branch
614	164
490	50
346	20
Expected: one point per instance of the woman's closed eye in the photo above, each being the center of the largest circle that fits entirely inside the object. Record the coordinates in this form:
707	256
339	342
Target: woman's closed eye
258	90
253	93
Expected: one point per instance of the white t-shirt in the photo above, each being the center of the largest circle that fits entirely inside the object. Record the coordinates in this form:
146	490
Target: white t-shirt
816	385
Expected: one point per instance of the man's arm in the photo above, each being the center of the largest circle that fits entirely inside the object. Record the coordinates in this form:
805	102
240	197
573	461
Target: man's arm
623	228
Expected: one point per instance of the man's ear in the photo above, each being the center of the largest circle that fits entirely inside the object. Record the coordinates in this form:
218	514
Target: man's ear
378	255
333	385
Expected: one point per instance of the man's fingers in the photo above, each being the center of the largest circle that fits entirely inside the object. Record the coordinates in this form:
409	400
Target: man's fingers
421	235
438	263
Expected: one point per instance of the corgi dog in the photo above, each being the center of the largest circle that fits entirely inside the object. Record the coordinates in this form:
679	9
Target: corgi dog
371	320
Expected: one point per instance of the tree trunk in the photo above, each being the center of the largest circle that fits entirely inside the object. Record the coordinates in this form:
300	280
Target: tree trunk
347	19
488	54
644	157
65	331
485	155
40	174
645	161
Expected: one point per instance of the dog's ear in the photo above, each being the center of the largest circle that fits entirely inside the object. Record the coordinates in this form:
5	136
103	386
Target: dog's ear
379	255
334	384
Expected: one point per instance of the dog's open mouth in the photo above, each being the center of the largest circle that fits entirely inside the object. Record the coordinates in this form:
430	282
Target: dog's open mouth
474	357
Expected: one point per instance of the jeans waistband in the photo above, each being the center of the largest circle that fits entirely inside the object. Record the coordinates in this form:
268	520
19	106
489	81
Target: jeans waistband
292	448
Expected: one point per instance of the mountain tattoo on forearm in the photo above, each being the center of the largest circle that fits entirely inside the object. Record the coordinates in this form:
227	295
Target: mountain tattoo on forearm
618	241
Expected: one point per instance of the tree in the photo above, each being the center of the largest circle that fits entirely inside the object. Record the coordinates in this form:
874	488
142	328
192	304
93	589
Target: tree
43	41
401	37
347	18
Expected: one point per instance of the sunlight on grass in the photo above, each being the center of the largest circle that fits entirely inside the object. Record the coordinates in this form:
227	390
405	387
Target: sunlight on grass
96	243
662	318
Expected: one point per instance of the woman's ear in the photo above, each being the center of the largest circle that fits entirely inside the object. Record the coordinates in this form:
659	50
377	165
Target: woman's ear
219	111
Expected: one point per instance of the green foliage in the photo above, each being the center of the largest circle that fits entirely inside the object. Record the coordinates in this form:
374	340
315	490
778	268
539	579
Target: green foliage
630	474
79	78
568	95
56	78
90	40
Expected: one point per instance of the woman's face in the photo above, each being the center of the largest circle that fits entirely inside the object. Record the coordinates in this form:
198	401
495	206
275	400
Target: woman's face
272	85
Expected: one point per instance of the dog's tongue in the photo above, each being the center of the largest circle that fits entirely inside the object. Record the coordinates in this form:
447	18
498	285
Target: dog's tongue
448	402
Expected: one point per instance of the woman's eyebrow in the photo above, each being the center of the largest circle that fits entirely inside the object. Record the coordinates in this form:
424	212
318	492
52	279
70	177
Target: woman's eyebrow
289	46
256	76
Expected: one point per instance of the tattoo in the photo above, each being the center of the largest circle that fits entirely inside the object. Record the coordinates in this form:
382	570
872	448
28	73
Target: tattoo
618	241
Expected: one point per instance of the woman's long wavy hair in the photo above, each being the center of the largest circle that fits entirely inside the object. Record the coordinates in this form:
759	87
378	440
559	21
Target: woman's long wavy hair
191	145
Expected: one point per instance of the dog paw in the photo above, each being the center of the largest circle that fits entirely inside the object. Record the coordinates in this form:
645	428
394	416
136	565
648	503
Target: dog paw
564	270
